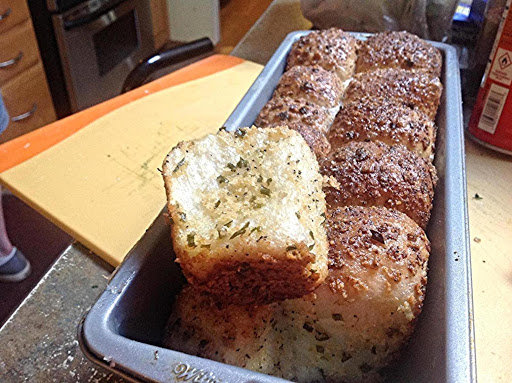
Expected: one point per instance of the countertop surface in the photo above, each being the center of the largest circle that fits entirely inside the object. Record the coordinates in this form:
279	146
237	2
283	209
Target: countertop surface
39	342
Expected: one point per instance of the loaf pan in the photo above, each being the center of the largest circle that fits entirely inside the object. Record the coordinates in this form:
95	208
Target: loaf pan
123	331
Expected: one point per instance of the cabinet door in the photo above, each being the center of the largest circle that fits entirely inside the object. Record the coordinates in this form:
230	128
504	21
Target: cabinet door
18	51
28	102
12	12
160	19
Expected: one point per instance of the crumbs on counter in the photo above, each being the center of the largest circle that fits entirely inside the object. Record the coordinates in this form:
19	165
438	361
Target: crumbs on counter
477	240
477	197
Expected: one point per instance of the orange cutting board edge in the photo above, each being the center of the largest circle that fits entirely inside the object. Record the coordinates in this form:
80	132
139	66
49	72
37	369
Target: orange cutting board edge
101	184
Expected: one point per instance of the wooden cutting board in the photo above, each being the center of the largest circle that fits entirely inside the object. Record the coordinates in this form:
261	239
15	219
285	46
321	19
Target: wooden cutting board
102	183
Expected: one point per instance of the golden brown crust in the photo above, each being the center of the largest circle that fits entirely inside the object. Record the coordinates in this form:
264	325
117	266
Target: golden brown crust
371	238
366	310
309	119
399	50
279	111
313	84
257	278
376	174
332	49
202	325
386	120
416	90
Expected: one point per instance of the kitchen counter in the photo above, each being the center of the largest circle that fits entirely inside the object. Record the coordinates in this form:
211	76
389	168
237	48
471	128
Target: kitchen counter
39	340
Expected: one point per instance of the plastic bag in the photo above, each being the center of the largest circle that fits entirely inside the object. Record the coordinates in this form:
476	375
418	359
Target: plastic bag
429	19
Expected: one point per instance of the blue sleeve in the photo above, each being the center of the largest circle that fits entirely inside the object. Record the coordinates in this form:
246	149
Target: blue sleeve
4	116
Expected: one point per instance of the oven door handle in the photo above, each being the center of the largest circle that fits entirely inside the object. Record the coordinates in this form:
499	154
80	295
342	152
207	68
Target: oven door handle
73	23
175	55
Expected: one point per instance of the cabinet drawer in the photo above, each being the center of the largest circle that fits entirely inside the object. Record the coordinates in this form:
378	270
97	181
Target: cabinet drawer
28	101
18	51
12	12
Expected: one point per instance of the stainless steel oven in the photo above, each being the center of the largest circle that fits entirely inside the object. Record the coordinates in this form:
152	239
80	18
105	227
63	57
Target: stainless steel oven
99	43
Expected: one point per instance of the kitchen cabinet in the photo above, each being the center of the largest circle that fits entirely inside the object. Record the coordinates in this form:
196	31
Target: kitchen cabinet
160	18
12	12
22	78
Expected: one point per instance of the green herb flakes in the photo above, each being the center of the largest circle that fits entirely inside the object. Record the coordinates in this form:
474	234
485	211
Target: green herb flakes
190	240
240	232
265	191
179	165
242	163
321	336
345	356
257	228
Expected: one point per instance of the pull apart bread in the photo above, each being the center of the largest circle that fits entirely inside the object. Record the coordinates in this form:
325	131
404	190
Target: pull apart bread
417	90
399	50
350	327
310	120
313	84
376	174
385	120
247	212
306	99
332	49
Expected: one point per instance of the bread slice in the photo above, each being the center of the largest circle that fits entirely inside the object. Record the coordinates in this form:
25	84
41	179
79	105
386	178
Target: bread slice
247	211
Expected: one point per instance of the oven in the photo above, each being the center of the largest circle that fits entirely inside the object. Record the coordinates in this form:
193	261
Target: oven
89	47
100	42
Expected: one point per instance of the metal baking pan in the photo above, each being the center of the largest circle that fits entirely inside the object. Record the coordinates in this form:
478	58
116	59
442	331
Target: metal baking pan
123	330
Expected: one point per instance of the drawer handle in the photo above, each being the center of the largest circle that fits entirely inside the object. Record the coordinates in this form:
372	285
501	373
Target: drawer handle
26	115
5	14
11	62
